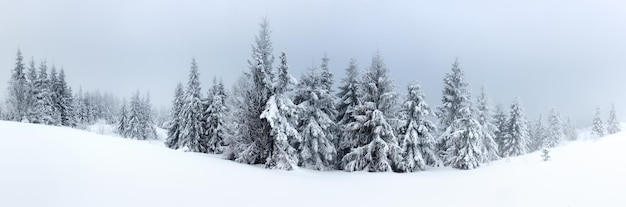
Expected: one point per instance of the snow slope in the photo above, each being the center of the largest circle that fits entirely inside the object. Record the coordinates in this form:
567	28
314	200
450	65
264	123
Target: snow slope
52	166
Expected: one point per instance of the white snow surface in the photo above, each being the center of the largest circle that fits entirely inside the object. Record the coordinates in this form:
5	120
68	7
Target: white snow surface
54	166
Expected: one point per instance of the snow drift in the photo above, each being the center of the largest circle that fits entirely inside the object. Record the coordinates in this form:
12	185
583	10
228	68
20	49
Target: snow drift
53	166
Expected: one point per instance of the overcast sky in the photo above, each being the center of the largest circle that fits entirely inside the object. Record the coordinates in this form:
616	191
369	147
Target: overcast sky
568	54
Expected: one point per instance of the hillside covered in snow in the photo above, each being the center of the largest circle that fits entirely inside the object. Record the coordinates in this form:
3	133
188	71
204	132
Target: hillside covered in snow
54	166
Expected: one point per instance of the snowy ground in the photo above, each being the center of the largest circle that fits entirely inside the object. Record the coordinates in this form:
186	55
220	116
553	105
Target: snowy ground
52	166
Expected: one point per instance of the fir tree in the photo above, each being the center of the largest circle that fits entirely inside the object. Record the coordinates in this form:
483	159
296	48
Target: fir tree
598	125
280	112
133	125
65	101
18	93
147	118
348	100
455	98
55	97
416	140
122	123
537	136
216	113
462	137
377	147
490	147
569	129
316	125
173	135
32	90
613	124
252	143
192	130
500	121
515	141
43	108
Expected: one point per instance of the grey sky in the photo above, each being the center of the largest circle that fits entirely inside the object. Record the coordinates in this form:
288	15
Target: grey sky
566	54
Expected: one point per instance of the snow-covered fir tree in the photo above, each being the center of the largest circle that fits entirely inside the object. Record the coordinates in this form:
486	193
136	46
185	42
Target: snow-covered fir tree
147	118
461	142
31	77
500	121
612	123
216	112
43	108
516	139
138	122
416	139
280	112
316	114
483	115
122	122
192	135
537	135
554	135
598	129
55	96
377	148
65	101
174	126
569	129
252	143
455	98
348	100
18	91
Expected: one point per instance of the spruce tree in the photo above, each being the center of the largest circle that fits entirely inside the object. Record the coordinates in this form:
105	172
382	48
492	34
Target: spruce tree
416	139
32	90
500	121
377	148
55	97
280	112
43	108
133	124
461	142
613	124
348	100
455	98
316	123
216	112
490	147
122	123
537	136
147	118
515	141
569	129
192	130
173	135
17	99
64	101
598	129
252	144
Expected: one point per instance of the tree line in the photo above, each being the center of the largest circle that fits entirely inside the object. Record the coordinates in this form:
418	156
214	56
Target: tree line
270	118
40	95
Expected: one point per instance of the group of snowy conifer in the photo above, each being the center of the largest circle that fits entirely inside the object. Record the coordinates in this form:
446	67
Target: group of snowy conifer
197	121
135	120
34	96
38	97
272	119
612	125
